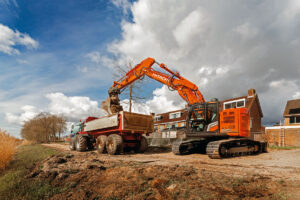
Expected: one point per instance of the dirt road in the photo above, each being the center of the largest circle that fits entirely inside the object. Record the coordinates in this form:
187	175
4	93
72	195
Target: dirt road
283	164
158	174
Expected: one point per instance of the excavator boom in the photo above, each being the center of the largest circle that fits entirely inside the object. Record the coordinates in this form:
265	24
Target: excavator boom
186	89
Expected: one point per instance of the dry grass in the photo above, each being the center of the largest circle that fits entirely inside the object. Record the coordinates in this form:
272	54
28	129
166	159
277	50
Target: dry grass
27	142
7	148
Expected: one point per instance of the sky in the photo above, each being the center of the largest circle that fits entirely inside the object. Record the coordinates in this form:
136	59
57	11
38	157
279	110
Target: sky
61	57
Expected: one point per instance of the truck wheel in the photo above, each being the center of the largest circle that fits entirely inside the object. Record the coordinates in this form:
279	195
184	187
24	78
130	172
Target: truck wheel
114	144
80	143
100	143
142	146
72	144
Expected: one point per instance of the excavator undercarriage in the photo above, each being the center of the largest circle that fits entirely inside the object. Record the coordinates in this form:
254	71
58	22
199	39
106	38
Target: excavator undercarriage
217	148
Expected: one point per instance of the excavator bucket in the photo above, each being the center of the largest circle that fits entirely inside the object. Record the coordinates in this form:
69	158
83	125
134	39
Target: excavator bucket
105	105
112	104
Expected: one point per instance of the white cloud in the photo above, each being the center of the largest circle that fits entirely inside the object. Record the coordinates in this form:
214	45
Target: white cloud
190	29
74	108
164	100
274	100
135	107
22	62
28	112
9	39
292	10
97	58
123	4
225	50
82	69
296	95
94	56
246	31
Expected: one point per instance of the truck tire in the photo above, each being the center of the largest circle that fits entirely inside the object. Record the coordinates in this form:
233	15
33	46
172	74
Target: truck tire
72	144
114	144
142	146
101	143
80	143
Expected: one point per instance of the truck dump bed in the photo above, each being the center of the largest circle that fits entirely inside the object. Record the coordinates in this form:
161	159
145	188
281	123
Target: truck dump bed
125	121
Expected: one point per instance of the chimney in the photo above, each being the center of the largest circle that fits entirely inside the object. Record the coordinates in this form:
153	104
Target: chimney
251	92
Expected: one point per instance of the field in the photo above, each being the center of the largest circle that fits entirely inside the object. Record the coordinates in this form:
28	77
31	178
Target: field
53	172
7	148
14	185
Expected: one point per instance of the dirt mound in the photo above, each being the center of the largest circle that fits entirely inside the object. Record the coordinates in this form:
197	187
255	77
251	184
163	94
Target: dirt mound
85	176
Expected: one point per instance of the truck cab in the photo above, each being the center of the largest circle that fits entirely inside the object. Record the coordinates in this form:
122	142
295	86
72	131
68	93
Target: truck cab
75	128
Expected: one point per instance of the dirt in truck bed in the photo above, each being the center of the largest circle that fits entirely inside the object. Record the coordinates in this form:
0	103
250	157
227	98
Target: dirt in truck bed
158	174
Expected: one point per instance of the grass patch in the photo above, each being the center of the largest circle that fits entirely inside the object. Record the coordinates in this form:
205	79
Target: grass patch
14	185
283	148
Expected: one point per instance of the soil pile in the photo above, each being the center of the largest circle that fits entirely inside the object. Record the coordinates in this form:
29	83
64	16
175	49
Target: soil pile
85	176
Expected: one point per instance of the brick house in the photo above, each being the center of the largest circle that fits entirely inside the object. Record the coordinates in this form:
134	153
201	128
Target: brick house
170	122
292	113
288	133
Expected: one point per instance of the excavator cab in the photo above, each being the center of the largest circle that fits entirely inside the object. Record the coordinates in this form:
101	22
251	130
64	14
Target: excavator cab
203	117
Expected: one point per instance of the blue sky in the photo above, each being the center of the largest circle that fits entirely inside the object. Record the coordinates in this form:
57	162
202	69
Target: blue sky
65	32
59	56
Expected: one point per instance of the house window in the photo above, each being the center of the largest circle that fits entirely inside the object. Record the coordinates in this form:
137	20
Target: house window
161	127
175	115
172	116
294	111
157	118
168	126
240	104
294	120
234	104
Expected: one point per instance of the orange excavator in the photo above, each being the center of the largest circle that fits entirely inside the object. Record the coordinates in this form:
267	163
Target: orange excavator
208	130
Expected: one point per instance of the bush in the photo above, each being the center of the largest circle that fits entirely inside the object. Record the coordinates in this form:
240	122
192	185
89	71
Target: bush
7	148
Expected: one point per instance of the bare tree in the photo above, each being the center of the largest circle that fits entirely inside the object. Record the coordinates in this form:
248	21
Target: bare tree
133	91
44	128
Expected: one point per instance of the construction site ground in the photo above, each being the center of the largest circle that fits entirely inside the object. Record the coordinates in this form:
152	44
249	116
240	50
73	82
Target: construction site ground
158	174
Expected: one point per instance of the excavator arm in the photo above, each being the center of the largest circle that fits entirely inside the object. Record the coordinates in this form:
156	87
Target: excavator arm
186	89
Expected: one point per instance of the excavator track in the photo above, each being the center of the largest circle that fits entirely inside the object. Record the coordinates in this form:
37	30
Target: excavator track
181	147
232	148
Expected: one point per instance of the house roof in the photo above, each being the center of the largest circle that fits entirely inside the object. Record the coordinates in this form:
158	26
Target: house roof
292	108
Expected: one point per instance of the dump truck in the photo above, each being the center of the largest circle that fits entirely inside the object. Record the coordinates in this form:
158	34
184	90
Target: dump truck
115	133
